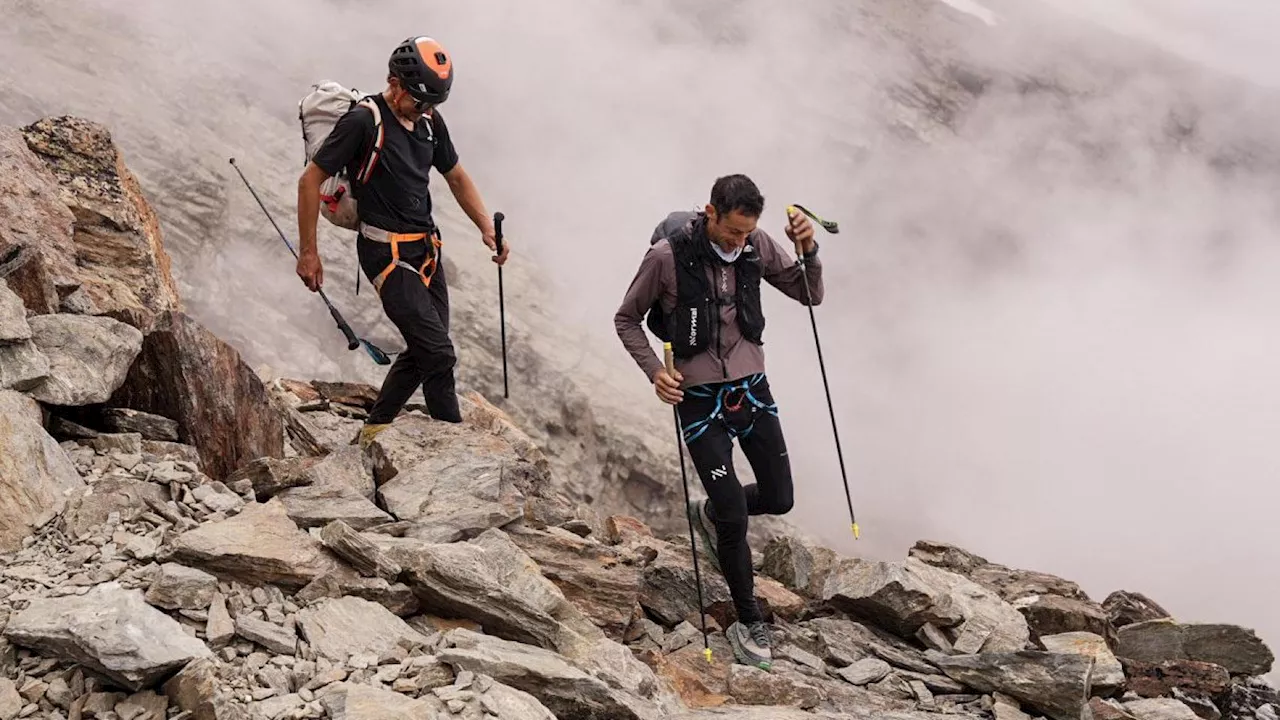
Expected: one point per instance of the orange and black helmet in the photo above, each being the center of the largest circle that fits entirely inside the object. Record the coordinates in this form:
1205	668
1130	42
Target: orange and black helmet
424	69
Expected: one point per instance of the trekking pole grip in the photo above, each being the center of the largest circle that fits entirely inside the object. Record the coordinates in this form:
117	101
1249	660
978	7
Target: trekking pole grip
498	217
668	359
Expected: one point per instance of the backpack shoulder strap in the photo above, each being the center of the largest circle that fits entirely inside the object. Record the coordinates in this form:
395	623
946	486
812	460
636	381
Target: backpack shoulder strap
378	136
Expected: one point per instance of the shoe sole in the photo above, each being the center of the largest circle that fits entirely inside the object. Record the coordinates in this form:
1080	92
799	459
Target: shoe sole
740	654
704	536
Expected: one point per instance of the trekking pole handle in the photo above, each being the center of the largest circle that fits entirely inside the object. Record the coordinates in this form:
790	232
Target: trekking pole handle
791	212
498	217
668	359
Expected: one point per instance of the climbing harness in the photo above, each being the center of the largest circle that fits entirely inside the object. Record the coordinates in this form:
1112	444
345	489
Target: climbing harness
726	407
426	272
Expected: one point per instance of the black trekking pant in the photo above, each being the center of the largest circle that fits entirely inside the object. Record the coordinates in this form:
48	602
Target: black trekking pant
421	314
712	416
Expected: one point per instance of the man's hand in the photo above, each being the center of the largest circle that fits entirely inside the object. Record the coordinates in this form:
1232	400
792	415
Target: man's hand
310	270
491	240
668	387
800	230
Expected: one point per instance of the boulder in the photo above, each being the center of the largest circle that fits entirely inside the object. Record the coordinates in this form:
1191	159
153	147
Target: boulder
186	373
150	427
178	587
271	476
801	566
37	255
1237	649
1251	698
1126	608
89	357
1153	680
36	475
339	628
1010	584
493	582
1108	673
453	481
1108	710
844	642
259	545
22	366
318	505
95	504
904	596
507	703
361	395
592	576
865	671
200	690
13	318
359	552
279	639
122	269
352	701
1057	684
567	691
753	686
1160	709
110	630
1055	615
669	590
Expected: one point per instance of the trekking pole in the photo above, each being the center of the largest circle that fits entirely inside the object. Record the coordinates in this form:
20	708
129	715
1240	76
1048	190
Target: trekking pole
502	312
379	356
684	478
830	227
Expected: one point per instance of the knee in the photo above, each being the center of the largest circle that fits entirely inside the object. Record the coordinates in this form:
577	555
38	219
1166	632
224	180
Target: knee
779	503
731	525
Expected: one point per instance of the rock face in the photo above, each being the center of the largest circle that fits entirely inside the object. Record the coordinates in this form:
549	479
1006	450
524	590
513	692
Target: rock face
261	544
22	366
187	374
36	476
1126	608
122	267
111	630
797	564
905	596
89	357
1235	648
37	256
1056	684
1108	673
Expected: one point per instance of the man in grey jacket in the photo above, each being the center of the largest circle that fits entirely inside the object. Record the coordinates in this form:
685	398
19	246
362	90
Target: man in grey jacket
699	286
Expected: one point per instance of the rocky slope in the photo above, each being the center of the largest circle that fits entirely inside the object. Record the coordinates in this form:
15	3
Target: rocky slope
185	539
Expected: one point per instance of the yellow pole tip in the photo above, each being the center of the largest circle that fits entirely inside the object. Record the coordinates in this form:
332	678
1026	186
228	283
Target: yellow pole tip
856	532
707	652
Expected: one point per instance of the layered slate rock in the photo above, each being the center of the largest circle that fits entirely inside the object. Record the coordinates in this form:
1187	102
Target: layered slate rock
798	565
1108	673
259	545
188	374
178	587
22	365
1237	649
339	628
37	255
1056	684
1153	680
36	476
89	357
905	596
350	701
1126	608
122	269
111	630
150	427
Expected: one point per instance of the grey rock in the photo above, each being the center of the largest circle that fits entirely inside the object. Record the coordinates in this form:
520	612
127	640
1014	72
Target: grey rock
507	703
11	702
1054	615
801	566
22	366
126	497
753	686
318	505
149	426
1009	583
669	589
220	628
1235	648
360	552
110	630
1160	709
1056	684
200	691
89	357
36	475
259	545
1126	608
865	671
180	587
1108	673
844	642
13	317
338	628
276	638
351	701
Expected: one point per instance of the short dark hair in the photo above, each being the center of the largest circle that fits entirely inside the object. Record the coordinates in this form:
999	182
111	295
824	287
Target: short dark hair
737	192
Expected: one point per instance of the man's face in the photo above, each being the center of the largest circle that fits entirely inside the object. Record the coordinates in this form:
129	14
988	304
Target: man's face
729	231
406	106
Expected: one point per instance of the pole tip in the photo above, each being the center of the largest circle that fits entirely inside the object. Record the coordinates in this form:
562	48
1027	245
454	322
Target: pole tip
707	652
233	161
857	534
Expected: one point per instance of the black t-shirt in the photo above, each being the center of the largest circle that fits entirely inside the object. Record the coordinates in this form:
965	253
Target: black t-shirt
396	197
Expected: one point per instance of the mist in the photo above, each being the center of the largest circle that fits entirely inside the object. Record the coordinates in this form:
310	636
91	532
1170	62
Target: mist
1050	313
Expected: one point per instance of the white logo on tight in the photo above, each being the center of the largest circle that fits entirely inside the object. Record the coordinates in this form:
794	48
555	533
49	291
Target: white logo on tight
719	472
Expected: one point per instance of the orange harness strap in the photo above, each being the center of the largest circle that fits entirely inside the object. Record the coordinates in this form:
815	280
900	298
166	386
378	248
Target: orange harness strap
428	269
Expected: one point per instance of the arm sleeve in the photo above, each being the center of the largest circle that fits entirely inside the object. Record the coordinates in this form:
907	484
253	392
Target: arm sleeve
780	271
445	156
351	134
644	291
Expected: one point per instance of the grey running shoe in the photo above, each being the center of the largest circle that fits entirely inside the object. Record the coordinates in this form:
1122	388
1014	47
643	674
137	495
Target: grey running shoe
706	529
751	644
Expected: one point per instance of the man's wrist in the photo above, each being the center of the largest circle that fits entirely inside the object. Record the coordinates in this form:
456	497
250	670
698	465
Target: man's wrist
812	252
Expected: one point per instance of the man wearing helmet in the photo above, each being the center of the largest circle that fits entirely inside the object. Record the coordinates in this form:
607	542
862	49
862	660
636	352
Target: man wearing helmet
398	244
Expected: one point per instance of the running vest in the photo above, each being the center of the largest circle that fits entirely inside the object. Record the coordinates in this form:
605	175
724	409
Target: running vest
692	324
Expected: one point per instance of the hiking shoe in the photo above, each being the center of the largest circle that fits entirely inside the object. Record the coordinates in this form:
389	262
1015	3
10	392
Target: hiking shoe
706	529
368	432
751	644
